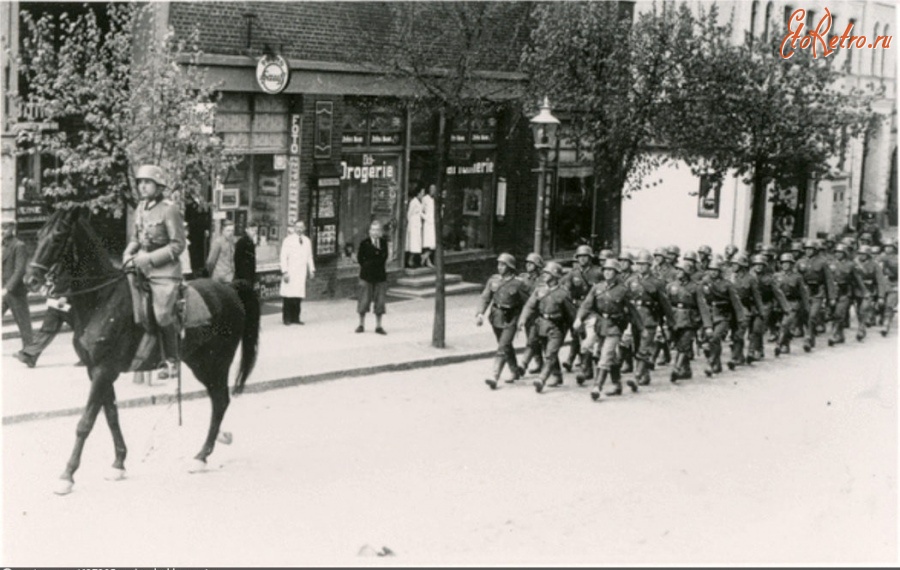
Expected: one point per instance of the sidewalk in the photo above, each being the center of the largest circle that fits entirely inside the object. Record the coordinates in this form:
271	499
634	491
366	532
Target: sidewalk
325	348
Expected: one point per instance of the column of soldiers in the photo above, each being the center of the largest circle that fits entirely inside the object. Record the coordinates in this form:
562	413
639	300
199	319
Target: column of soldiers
636	313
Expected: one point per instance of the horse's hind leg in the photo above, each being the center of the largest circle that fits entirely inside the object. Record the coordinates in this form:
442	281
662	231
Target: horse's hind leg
216	383
112	419
100	384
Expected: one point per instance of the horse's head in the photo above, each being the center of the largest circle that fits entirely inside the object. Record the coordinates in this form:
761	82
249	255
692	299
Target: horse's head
54	242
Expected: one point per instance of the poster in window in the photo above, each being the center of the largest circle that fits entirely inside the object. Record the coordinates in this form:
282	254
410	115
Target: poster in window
708	198
324	115
325	207
472	201
229	198
269	184
326	239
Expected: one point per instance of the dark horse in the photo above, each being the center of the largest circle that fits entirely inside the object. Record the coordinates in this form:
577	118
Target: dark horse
106	336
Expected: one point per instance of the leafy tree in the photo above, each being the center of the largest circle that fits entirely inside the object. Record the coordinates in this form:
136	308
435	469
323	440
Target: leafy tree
121	98
609	73
776	122
450	53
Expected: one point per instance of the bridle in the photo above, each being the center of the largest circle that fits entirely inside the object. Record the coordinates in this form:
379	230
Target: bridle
50	274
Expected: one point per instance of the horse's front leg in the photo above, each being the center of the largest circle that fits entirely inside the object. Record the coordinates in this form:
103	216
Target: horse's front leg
101	382
112	419
217	388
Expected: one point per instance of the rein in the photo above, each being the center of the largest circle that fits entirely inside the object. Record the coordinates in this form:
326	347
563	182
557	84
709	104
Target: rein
75	292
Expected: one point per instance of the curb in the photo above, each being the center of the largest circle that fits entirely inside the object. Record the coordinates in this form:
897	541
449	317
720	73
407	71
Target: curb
163	399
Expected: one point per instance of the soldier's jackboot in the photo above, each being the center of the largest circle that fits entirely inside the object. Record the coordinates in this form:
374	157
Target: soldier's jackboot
642	374
497	369
586	370
615	374
837	333
737	354
667	354
526	358
570	360
627	359
602	373
861	330
888	321
171	352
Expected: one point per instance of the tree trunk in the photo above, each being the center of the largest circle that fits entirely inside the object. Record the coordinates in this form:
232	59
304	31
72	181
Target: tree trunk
757	214
609	214
439	328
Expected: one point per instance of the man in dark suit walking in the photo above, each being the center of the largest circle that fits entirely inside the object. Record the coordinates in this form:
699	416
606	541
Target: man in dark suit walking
372	256
15	295
245	255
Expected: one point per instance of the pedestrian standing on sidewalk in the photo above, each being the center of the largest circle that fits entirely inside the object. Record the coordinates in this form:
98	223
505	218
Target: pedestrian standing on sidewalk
245	255
372	257
505	294
414	219
220	263
428	231
56	316
15	294
296	265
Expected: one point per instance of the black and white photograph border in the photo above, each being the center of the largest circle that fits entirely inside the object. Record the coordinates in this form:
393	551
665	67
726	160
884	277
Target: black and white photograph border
428	445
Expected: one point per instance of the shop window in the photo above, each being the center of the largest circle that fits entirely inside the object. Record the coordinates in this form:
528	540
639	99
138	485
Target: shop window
370	190
253	123
366	122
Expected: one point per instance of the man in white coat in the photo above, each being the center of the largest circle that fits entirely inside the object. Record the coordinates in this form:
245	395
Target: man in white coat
296	265
414	218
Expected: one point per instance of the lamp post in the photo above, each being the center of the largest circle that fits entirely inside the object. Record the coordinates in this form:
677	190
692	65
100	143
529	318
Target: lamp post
543	126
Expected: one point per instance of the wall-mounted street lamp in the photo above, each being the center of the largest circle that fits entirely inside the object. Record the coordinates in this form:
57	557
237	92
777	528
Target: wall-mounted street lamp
543	126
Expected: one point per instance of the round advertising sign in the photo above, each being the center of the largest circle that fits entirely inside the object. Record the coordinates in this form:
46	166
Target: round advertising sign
272	74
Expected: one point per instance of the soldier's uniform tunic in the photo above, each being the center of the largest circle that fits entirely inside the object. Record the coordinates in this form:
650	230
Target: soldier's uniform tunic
506	295
875	282
159	231
649	306
794	288
532	342
773	302
690	311
726	312
579	282
746	285
820	283
847	278
554	312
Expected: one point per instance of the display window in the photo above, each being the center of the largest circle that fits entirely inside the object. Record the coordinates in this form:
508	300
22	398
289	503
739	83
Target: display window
370	190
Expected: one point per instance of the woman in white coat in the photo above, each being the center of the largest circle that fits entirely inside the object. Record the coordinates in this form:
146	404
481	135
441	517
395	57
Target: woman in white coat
428	237
296	265
414	218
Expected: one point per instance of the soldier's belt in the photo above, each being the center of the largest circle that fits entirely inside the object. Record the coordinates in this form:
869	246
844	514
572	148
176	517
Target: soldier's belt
720	303
868	282
150	247
648	304
683	306
551	317
611	315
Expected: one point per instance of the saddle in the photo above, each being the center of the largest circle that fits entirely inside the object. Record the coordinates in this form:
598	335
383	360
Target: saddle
190	311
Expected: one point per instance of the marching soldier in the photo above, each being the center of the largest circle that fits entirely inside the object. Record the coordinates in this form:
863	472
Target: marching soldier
626	345
583	275
846	278
888	262
534	265
875	289
662	269
665	272
609	300
698	274
820	282
774	304
726	311
747	287
690	311
731	253
704	257
649	304
555	313
792	285
155	249
506	295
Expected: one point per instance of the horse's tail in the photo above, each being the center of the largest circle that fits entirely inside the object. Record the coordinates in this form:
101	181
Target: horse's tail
250	339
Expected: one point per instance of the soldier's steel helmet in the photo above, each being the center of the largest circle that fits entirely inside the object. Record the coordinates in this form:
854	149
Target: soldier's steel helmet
152	172
553	269
673	251
769	250
786	257
704	250
660	251
685	266
607	254
811	244
536	259
716	263
611	264
841	248
730	250
874	250
690	256
865	250
584	250
507	260
742	260
848	241
626	256
644	256
759	259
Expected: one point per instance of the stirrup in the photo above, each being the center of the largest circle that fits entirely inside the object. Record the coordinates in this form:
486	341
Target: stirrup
168	369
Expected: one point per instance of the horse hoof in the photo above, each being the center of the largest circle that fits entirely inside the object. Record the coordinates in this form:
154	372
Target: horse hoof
63	487
225	437
197	466
115	474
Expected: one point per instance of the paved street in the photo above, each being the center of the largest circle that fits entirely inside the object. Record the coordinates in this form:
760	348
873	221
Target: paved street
791	462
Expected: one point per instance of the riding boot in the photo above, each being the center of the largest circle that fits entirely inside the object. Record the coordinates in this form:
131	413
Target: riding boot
602	373
170	350
586	371
496	370
526	359
888	320
570	360
627	359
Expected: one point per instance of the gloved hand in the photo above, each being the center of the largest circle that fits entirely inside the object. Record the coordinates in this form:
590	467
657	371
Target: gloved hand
479	320
286	278
577	324
708	331
142	261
